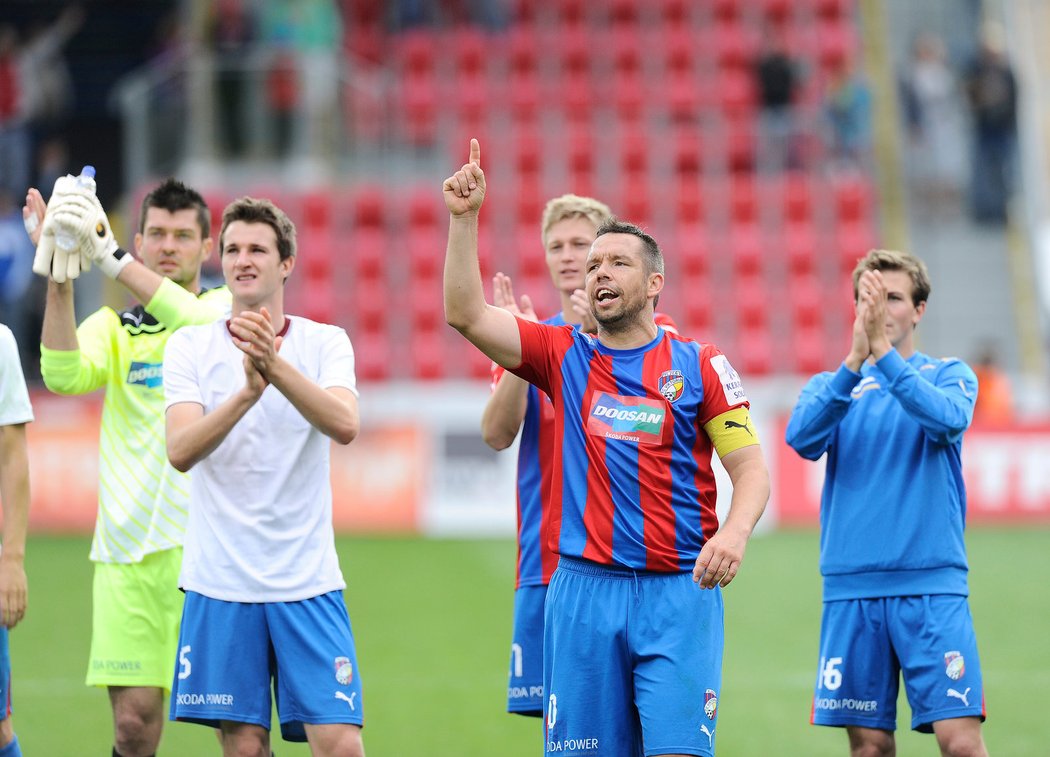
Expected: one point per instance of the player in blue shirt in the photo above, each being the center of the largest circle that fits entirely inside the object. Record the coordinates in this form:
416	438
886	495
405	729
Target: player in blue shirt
892	515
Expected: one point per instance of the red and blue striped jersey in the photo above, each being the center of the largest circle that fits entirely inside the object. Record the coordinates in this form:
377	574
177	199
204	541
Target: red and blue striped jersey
630	462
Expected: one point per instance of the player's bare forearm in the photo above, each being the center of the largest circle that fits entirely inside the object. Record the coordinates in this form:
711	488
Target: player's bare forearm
332	411
505	411
493	330
192	434
59	330
14	494
721	557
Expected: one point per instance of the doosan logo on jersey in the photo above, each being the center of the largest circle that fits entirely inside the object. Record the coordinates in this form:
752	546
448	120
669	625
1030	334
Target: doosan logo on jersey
150	375
620	414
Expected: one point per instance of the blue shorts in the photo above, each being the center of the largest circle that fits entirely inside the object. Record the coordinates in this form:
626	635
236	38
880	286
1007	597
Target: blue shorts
5	675
230	651
865	645
632	662
525	683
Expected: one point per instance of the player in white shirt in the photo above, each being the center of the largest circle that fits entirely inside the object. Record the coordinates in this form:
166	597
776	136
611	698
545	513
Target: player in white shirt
251	407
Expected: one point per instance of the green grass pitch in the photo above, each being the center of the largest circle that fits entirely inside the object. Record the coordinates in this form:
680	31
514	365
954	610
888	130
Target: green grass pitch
432	621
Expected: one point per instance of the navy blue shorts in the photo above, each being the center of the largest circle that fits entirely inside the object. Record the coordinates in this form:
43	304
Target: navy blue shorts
865	645
632	662
230	651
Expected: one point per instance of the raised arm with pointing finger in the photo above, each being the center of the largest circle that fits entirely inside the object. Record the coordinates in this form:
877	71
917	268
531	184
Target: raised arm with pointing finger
493	330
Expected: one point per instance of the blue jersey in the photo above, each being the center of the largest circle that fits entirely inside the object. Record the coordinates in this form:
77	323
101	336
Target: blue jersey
893	509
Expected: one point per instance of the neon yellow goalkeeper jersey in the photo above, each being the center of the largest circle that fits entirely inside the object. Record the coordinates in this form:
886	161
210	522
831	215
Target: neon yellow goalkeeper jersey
142	500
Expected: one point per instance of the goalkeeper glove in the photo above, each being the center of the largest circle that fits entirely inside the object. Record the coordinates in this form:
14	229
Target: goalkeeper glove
82	215
51	259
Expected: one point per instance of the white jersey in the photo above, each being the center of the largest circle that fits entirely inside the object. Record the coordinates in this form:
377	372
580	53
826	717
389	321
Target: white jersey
260	521
14	397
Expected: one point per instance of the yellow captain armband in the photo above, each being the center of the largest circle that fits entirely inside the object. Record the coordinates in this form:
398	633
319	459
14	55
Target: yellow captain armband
731	430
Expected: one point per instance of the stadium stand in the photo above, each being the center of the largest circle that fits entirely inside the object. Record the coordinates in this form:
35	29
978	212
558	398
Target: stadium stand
668	139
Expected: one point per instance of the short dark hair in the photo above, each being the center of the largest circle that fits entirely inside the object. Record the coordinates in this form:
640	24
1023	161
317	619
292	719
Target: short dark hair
653	258
172	195
261	210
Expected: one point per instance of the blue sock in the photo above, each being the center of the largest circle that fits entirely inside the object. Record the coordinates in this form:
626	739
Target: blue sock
12	749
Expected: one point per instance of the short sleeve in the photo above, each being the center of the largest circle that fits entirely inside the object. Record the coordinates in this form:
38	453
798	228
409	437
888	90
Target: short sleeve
180	370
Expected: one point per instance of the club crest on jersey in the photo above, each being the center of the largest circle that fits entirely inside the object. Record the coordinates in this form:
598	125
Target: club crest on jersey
954	665
344	670
671	384
710	704
633	419
149	375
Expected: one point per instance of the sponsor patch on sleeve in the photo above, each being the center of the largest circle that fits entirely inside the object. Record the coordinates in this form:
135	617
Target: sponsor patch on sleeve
732	387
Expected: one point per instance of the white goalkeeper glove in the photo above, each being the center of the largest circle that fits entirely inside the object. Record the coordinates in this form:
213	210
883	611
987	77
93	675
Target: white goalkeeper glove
50	259
81	214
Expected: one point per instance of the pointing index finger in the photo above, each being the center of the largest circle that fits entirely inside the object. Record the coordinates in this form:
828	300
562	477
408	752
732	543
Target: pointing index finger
475	152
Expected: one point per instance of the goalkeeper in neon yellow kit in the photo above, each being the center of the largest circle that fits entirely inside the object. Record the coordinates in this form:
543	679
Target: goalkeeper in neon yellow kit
143	501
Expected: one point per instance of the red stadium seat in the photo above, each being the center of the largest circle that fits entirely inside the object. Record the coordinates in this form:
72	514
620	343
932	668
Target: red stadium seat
629	96
369	303
797	200
746	249
675	13
682	94
417	51
753	354
572	12
317	208
854	241
528	250
626	52
529	148
522	51
689	200
852	200
624	13
471	48
419	109
366	252
634	151
833	9
425	208
686	159
316	248
680	48
750	297
525	96
697	307
692	252
580	152
737	95
809	348
799	241
735	44
836	42
740	146
372	357
743	200
367	205
806	299
427	355
425	248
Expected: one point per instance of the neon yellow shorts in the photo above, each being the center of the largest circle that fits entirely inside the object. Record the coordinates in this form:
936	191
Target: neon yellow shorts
135	622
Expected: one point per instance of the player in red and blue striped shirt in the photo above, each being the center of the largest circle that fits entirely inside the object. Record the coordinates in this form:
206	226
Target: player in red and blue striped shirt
567	230
632	650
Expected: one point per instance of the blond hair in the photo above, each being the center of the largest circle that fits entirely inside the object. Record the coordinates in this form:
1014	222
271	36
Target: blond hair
573	206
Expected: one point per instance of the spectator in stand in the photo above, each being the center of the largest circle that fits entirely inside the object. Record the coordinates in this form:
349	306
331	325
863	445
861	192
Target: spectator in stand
847	106
995	400
30	81
231	29
992	91
777	77
934	114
